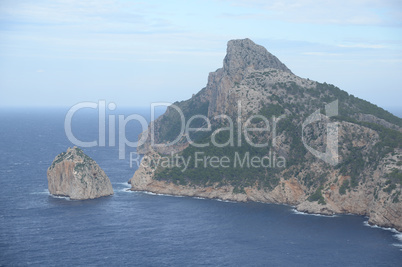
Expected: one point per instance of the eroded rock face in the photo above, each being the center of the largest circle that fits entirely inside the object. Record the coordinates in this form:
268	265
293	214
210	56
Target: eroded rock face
244	53
76	175
365	200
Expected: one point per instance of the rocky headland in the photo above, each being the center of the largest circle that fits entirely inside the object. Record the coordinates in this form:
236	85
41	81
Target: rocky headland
366	179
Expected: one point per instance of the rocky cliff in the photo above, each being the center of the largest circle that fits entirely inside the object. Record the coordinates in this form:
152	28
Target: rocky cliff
77	176
361	172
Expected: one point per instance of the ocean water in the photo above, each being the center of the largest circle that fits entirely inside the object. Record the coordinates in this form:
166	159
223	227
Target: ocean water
136	228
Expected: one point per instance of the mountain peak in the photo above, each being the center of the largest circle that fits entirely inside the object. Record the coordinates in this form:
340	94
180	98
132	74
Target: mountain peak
243	53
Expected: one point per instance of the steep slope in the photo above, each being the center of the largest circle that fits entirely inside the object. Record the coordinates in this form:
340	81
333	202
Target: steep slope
322	149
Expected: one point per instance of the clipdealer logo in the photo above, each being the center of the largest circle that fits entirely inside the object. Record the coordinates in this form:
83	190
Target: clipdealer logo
242	129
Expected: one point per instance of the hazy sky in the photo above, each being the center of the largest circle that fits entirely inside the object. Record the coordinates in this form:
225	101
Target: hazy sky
61	52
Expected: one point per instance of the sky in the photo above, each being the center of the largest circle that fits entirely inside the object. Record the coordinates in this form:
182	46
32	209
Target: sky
133	53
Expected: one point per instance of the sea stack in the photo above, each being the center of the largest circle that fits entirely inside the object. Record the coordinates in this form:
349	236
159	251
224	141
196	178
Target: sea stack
75	175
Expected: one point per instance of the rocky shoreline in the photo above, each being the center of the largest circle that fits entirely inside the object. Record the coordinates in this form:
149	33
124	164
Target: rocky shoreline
287	192
170	191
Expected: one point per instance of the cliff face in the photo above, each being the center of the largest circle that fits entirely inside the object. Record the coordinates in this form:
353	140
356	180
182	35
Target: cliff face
364	172
243	58
76	175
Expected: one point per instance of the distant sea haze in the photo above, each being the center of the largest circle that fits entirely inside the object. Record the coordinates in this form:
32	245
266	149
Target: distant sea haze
155	230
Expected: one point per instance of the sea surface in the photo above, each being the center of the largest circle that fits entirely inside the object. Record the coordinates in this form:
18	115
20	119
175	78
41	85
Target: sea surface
137	228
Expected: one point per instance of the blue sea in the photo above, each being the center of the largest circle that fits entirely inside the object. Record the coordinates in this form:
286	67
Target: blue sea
143	229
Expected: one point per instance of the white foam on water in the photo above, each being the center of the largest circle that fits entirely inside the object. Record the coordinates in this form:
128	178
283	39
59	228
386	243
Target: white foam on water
44	192
222	200
149	193
398	246
62	197
397	235
295	211
399	238
126	188
383	228
168	195
157	194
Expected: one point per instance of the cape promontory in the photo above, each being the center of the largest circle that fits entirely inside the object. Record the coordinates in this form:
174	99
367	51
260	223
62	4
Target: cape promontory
75	175
339	153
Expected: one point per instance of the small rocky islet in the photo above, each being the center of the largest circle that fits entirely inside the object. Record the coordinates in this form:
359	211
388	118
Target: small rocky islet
75	175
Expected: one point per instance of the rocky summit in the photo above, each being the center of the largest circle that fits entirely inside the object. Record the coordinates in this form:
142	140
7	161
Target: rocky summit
325	151
75	175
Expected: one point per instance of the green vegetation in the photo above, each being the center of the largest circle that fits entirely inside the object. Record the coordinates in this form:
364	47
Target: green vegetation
349	104
355	162
271	110
395	197
79	166
394	181
170	124
238	190
344	186
239	172
395	176
389	188
353	165
365	107
81	154
268	73
294	132
59	159
298	102
317	196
